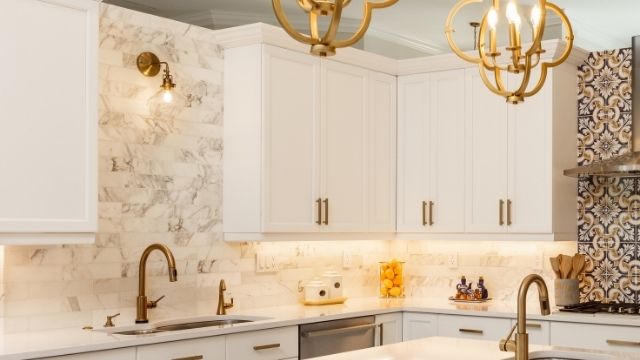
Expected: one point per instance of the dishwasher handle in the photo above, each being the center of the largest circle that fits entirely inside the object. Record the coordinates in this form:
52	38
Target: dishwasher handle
336	331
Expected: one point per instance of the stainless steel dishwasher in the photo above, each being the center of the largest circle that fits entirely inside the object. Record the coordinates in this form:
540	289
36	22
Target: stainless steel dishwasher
332	337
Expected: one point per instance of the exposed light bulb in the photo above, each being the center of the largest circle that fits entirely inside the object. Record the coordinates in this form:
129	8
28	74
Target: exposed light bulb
492	18
536	15
512	14
167	96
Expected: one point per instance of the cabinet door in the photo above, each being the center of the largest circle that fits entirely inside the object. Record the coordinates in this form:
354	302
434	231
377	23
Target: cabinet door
531	162
291	141
486	157
120	354
48	131
414	92
382	153
389	329
472	327
445	197
212	348
345	144
272	344
418	326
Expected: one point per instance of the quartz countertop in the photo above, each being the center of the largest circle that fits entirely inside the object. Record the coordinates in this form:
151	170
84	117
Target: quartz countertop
32	345
440	348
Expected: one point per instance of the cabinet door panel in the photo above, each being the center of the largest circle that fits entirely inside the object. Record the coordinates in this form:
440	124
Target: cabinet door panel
48	138
471	327
212	348
486	160
120	354
382	153
530	162
418	326
291	162
446	155
389	329
414	92
344	147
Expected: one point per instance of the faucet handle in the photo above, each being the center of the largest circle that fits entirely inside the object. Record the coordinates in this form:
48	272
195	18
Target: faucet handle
109	322
228	305
154	303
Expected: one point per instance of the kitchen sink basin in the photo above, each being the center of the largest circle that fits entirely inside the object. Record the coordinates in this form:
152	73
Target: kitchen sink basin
182	324
567	355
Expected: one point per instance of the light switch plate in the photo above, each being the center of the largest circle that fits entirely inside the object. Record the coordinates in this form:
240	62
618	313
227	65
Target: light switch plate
266	263
452	261
347	259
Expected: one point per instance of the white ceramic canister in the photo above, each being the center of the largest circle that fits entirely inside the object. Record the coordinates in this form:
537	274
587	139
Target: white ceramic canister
334	281
316	290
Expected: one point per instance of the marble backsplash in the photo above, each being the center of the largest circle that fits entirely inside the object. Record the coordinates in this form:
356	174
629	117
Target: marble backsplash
160	181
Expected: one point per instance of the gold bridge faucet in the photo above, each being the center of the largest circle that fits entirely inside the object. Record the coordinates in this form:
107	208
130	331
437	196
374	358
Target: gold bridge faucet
521	343
142	303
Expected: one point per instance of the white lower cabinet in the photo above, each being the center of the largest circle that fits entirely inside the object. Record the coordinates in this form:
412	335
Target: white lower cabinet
471	327
388	329
601	337
212	348
273	344
120	354
539	331
418	326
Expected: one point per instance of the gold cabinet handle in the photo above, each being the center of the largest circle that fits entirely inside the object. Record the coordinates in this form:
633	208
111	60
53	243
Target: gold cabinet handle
501	212
430	213
326	212
424	213
623	343
319	206
534	326
471	331
196	357
266	347
508	212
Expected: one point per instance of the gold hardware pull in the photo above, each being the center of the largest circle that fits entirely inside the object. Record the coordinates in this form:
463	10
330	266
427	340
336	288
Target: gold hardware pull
471	331
501	212
623	343
326	211
508	212
430	213
534	326
266	347
381	334
319	206
195	357
424	213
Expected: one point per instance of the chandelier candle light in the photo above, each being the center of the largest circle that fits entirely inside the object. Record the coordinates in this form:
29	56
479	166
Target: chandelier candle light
326	44
521	62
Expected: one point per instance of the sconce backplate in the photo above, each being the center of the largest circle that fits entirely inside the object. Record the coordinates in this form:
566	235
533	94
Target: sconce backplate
148	64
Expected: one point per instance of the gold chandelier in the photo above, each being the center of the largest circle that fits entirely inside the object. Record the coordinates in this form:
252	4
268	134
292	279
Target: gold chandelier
326	44
521	62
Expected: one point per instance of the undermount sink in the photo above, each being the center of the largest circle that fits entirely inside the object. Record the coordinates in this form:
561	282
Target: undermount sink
566	355
183	324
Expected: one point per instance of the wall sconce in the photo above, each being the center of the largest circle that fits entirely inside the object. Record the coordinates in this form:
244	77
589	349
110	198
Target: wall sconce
149	65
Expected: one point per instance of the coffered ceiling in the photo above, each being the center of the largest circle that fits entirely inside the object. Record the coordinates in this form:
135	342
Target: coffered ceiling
410	28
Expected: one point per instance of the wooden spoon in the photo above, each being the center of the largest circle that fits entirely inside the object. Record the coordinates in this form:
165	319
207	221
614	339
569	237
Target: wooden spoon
555	265
566	264
579	263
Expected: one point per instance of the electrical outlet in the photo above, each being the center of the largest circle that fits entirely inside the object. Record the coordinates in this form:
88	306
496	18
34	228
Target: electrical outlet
452	261
347	259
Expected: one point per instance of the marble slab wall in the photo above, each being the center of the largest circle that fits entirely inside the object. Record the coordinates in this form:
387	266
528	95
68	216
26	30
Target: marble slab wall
608	209
160	181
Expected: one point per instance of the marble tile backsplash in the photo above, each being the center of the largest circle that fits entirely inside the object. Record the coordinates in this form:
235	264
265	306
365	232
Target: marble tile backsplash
160	181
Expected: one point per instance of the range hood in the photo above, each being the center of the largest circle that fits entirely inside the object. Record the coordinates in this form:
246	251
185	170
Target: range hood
627	165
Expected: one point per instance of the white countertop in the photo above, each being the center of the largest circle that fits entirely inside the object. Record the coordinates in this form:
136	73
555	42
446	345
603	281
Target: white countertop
68	341
440	348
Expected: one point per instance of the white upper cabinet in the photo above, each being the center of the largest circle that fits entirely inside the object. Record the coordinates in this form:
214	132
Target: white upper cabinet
309	147
48	135
431	153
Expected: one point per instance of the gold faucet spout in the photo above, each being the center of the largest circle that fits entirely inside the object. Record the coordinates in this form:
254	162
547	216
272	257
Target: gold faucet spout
521	343
142	303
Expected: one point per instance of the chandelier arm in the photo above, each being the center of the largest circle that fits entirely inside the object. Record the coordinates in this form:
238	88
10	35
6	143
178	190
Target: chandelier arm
288	27
366	21
488	84
541	81
569	38
538	35
332	31
526	77
305	5
313	26
449	30
483	59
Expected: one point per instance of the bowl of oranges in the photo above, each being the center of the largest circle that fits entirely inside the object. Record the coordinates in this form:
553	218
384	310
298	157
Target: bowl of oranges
391	279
